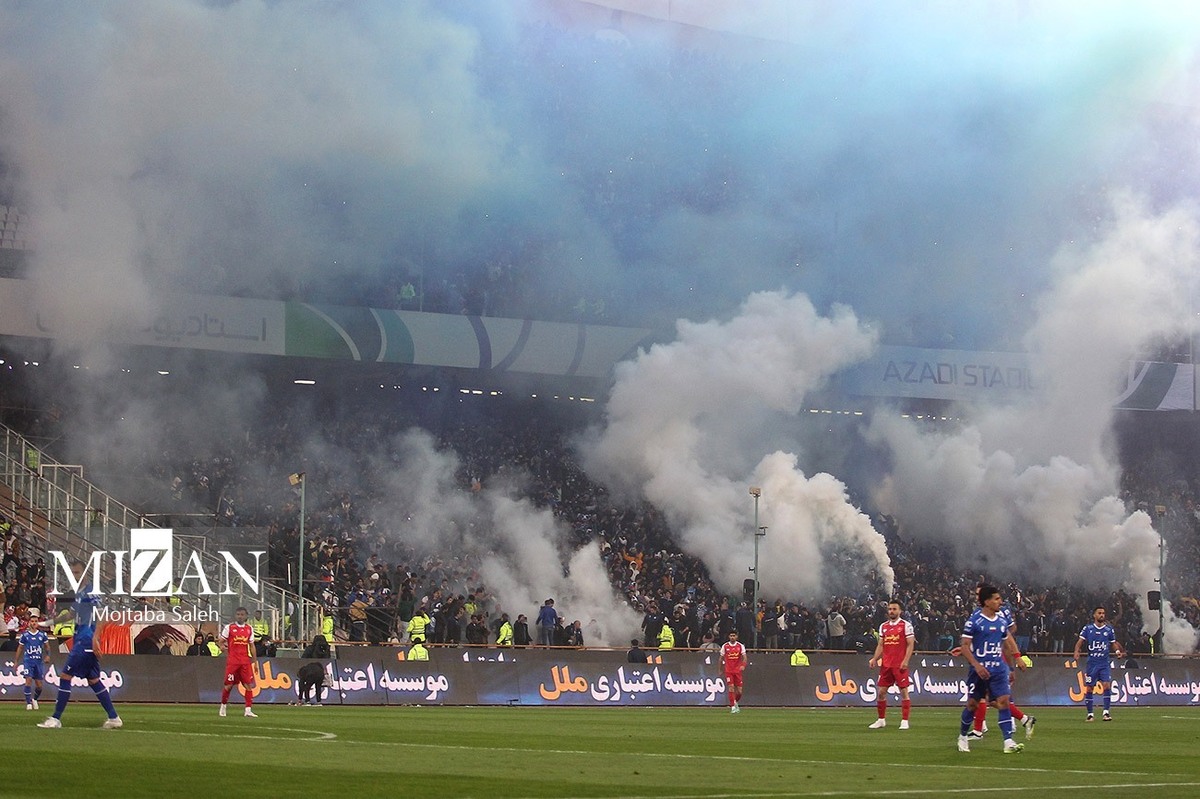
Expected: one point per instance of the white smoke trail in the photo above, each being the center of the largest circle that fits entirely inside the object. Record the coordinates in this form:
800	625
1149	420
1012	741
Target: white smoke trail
1031	489
527	567
690	424
521	549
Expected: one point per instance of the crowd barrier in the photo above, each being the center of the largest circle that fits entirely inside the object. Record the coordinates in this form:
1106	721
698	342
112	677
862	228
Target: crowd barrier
383	676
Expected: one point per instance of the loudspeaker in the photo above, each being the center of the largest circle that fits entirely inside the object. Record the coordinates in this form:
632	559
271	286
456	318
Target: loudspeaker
1154	599
748	592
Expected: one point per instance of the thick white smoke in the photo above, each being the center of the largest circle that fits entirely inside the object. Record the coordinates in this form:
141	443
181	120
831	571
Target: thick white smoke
521	549
690	426
217	145
919	164
1030	489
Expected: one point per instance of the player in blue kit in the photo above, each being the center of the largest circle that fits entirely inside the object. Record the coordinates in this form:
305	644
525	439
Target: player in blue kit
32	653
1101	639
1026	720
82	662
985	638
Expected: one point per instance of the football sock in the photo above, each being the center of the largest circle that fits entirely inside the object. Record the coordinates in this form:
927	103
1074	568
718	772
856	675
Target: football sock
968	716
980	715
905	704
1107	700
37	693
1006	723
1089	701
1017	713
64	696
225	695
28	694
105	699
881	707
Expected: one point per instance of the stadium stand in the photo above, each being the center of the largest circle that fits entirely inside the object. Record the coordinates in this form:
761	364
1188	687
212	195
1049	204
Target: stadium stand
372	575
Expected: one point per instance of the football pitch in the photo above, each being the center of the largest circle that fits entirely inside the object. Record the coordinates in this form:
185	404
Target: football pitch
656	753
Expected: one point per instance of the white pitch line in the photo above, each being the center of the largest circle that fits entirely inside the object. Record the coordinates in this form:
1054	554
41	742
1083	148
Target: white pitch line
739	758
915	791
323	736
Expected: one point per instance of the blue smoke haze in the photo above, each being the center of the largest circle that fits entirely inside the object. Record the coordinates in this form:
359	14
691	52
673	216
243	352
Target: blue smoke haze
921	163
983	175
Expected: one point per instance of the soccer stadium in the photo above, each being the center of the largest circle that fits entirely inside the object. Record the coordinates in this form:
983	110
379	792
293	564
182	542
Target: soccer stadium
600	398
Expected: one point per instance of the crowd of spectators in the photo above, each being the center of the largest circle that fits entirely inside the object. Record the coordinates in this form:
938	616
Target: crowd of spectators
376	580
367	568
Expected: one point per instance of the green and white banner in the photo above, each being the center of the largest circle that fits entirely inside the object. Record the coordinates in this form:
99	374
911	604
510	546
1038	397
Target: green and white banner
267	327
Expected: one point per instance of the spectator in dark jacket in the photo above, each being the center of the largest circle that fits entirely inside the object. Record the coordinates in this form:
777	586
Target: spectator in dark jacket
477	632
318	649
521	631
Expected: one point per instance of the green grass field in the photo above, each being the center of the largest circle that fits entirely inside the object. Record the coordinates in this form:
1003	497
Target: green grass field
186	750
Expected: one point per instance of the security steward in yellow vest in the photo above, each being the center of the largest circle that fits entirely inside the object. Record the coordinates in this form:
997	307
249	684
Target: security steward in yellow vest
418	650
327	625
261	627
417	624
64	628
666	638
505	635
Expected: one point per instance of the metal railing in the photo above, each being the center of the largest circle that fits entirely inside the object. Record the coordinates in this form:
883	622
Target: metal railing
63	511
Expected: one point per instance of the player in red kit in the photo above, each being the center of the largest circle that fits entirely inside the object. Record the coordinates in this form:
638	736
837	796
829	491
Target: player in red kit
238	639
733	660
895	647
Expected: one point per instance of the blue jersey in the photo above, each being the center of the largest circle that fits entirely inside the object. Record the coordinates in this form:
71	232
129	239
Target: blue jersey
85	621
987	639
1099	640
1006	613
34	642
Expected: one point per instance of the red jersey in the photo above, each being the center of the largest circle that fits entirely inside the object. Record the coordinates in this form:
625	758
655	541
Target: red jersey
733	654
239	641
895	635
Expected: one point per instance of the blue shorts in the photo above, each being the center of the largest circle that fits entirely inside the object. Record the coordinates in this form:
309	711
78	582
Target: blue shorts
82	664
997	684
35	669
1096	673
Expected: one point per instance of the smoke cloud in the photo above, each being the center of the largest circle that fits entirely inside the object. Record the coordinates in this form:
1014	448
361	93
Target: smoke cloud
522	549
689	425
1030	489
916	164
245	146
921	165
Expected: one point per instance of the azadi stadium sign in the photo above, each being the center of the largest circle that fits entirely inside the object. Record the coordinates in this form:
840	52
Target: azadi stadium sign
974	376
378	335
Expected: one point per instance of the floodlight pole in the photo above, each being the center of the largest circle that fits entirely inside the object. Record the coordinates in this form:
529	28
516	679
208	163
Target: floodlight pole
303	628
759	532
1162	593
